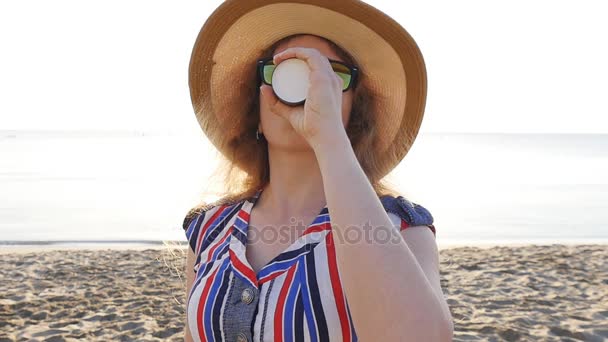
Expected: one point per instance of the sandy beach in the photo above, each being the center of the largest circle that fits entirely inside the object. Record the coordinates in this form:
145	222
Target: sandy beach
496	293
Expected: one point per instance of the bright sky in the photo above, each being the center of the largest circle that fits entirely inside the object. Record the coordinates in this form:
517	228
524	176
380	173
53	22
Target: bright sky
516	66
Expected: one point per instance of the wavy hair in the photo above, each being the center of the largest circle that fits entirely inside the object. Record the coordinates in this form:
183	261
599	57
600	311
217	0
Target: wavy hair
246	169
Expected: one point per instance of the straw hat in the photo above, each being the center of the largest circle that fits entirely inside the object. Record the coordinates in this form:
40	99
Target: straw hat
223	62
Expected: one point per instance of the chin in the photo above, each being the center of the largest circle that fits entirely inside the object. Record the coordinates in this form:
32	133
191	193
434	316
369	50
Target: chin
289	141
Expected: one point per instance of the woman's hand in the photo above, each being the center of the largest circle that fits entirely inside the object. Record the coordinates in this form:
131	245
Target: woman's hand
322	114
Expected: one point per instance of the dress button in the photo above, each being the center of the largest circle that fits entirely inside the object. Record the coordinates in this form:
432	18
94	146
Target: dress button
247	296
242	337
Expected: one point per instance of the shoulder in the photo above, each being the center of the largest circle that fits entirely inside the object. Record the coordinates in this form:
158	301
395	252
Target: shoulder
201	210
206	210
406	213
203	219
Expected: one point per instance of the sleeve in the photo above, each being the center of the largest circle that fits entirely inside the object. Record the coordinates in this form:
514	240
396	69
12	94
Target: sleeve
194	222
191	226
404	213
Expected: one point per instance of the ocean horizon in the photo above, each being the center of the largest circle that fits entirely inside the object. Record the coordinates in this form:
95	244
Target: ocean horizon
134	187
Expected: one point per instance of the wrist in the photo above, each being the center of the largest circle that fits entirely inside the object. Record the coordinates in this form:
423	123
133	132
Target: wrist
336	139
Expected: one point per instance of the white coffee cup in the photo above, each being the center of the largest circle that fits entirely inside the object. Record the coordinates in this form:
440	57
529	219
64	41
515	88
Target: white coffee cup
290	81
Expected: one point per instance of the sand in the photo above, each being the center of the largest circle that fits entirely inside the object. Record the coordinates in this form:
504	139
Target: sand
495	293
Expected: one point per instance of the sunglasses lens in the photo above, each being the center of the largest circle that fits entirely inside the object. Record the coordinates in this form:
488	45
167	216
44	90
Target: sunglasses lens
268	70
340	70
343	72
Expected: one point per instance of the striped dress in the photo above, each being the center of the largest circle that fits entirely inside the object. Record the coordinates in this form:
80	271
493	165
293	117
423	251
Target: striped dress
297	296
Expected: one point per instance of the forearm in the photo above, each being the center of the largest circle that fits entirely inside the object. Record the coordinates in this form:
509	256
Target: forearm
404	305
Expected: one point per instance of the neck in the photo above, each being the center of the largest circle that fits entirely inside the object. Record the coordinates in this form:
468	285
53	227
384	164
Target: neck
296	183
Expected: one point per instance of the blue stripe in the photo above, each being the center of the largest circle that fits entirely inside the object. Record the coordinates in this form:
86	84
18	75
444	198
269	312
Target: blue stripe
219	224
310	319
298	316
218	251
223	291
193	231
284	260
195	285
322	218
290	305
223	248
315	298
352	326
191	227
207	266
240	236
240	224
214	299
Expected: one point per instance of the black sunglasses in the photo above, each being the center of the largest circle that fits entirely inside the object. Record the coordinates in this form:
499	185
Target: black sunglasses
348	73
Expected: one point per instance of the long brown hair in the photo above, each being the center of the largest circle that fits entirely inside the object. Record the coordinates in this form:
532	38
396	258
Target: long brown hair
246	169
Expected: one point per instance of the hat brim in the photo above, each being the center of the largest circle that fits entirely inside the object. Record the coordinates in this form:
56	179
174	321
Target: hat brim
390	61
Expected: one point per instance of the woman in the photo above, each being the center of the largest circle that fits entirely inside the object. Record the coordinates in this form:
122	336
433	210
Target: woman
294	165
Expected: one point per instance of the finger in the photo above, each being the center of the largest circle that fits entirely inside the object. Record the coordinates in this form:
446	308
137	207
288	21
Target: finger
329	78
313	57
268	96
273	103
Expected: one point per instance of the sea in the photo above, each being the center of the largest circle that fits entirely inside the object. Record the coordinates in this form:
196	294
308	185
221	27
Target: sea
82	188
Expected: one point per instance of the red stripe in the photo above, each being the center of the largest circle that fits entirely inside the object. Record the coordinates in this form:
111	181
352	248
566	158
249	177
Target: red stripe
432	229
272	276
312	229
280	306
244	215
215	246
241	267
201	305
337	287
201	233
404	224
318	228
